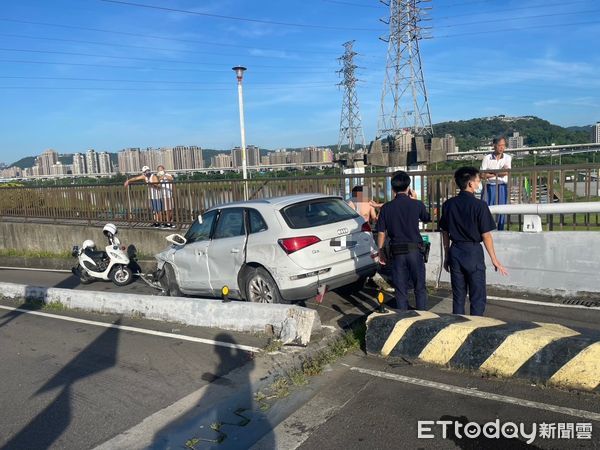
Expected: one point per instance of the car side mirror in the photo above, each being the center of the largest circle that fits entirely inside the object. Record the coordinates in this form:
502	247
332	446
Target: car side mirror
176	239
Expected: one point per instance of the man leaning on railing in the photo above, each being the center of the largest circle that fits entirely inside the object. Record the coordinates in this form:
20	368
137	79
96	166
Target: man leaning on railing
496	192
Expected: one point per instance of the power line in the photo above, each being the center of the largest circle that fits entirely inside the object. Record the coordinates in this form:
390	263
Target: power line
110	44
11	77
504	19
111	66
163	38
95	88
520	8
131	58
241	19
352	4
504	30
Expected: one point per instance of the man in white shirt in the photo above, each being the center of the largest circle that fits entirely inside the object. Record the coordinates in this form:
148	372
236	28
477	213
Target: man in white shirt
496	192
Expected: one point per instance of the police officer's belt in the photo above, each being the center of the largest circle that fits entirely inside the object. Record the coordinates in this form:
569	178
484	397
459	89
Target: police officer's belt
405	248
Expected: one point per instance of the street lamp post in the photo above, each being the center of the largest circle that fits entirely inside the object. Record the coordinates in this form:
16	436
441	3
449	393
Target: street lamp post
239	72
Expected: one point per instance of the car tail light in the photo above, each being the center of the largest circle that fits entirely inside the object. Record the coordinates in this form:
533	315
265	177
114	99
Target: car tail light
366	227
291	245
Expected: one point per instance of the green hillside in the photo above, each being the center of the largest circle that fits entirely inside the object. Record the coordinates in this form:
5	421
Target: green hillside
472	133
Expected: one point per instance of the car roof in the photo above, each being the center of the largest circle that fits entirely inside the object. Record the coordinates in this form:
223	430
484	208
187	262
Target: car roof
279	202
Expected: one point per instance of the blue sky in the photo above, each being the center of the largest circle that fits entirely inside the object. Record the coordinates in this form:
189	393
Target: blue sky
79	74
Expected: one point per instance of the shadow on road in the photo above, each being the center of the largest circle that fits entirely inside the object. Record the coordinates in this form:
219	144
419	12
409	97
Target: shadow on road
45	428
35	299
228	416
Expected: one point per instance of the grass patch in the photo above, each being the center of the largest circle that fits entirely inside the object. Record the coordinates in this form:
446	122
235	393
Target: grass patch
273	345
54	306
349	341
297	377
37	305
191	443
311	366
11	252
281	387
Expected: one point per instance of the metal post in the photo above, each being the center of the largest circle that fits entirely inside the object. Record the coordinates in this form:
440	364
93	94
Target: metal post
239	71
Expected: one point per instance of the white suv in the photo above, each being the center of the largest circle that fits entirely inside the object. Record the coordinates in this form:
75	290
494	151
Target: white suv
272	250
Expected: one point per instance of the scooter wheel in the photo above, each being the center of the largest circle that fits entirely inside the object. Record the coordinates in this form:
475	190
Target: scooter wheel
121	275
83	276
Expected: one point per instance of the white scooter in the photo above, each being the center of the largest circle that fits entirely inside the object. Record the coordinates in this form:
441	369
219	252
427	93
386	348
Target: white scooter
111	264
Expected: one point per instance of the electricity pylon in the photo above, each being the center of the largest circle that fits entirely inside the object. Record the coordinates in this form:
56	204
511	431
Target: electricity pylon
404	101
350	123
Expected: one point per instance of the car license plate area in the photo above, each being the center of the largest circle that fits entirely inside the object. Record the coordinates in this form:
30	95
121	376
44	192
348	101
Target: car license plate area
342	243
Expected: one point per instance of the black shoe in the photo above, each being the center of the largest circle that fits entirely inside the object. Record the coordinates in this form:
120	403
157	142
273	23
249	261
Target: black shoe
170	225
156	225
164	225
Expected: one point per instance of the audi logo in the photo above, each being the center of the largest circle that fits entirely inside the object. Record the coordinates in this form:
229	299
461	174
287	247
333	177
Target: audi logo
342	231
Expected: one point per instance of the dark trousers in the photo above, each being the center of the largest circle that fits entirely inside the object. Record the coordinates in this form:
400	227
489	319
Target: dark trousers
497	195
409	268
467	274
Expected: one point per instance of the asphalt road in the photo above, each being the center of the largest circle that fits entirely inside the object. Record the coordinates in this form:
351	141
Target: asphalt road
72	384
365	403
62	379
343	306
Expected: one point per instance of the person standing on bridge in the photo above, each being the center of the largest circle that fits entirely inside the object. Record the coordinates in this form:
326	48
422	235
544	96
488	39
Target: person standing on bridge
496	192
166	186
466	222
154	193
399	219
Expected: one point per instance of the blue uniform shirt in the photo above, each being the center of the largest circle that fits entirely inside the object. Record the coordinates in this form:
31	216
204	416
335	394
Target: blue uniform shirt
400	218
466	218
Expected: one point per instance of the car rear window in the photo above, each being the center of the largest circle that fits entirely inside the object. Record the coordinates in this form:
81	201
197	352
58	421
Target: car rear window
317	212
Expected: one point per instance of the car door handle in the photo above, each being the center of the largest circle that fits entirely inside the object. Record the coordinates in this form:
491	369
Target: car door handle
235	250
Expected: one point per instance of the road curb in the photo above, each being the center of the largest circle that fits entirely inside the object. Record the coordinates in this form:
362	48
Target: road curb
289	323
543	352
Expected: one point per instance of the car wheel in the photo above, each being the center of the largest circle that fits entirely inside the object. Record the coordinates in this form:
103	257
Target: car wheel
169	282
261	288
121	275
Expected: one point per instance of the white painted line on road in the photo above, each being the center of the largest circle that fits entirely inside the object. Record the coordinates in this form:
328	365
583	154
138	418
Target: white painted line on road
137	330
529	302
480	394
535	302
34	269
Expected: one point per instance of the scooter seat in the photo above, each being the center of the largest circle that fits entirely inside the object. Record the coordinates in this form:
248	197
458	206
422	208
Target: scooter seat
95	255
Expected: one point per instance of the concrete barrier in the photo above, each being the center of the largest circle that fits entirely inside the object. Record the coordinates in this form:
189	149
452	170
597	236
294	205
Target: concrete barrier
549	263
291	324
542	352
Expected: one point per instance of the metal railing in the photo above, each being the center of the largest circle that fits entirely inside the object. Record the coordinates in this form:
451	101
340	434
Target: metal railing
131	206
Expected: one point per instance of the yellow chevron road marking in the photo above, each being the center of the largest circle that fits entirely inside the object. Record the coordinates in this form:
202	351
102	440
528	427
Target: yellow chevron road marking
582	371
401	327
522	345
446	343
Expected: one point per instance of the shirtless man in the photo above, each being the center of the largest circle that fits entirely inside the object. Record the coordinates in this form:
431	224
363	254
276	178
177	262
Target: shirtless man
364	207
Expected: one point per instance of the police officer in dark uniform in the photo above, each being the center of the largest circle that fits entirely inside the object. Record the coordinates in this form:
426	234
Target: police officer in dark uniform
400	220
467	221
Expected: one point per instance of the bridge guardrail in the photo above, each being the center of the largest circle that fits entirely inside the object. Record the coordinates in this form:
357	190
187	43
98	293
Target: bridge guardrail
131	206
